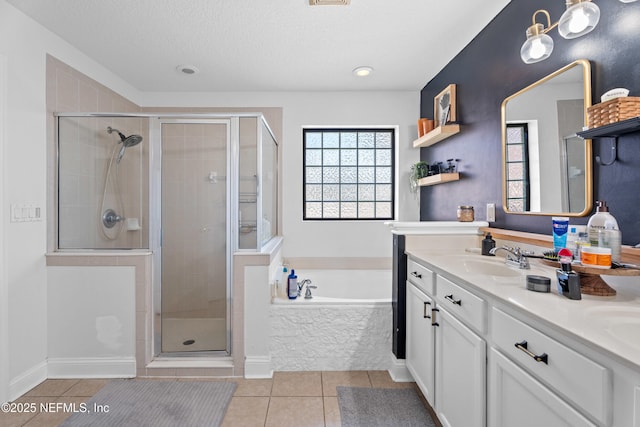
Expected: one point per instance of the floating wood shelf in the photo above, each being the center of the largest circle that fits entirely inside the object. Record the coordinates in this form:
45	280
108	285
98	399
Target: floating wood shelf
441	178
613	129
436	135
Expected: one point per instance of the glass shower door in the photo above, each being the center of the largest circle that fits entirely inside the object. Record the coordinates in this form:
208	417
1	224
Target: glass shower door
194	191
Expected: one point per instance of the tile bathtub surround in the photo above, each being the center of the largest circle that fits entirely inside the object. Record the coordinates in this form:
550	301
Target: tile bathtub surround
300	399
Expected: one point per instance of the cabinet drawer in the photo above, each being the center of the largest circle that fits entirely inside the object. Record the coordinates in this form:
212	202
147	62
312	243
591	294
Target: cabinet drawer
420	276
463	304
583	381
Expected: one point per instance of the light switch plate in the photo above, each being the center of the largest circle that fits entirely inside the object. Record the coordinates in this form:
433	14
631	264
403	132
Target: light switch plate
491	212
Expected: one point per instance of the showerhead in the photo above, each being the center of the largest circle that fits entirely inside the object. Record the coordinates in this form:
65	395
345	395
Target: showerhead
126	141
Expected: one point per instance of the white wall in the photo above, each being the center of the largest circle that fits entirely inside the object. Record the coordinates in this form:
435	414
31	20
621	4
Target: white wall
4	291
91	322
25	45
323	238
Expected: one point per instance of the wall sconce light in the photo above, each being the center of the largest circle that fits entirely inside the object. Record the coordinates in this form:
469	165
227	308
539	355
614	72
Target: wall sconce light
580	18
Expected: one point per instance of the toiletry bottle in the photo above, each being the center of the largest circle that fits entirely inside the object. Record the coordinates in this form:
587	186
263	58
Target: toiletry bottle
284	280
560	230
604	231
582	242
568	280
487	244
292	285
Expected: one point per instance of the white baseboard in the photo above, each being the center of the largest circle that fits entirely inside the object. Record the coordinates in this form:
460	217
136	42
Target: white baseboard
398	371
27	380
92	367
258	367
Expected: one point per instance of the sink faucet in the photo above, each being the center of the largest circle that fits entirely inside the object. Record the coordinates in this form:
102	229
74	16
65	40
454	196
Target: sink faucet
515	256
307	294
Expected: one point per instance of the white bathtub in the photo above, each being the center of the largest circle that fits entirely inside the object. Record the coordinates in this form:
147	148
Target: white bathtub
345	326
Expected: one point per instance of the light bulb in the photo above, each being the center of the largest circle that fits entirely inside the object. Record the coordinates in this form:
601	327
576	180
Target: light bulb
537	49
578	21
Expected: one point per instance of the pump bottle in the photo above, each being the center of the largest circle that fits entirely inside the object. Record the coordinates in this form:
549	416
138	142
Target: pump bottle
604	232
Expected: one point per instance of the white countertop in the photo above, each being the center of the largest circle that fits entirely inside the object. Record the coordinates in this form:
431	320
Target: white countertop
611	324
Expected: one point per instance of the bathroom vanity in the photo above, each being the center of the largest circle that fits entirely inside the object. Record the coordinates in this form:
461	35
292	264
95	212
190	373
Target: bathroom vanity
487	352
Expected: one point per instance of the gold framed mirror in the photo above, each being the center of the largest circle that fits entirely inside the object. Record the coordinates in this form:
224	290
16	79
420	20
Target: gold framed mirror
546	167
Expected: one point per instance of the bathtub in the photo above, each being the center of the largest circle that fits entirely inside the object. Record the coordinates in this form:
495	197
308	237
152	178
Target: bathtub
345	326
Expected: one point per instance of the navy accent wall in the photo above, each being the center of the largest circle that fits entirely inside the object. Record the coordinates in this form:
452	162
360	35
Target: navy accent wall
489	69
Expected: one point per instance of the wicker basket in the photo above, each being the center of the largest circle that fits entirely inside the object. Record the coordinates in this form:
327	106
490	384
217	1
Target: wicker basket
613	111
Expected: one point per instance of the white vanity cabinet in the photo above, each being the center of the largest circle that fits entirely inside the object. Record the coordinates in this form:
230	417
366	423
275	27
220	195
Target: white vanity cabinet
517	399
446	358
460	356
582	382
460	373
419	355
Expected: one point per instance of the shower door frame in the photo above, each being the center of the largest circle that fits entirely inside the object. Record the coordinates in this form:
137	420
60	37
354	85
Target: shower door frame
155	220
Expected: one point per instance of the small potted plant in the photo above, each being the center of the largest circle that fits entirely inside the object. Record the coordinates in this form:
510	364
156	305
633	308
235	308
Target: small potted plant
418	170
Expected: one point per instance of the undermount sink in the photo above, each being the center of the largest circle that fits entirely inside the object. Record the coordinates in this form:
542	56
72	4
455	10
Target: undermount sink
491	268
620	322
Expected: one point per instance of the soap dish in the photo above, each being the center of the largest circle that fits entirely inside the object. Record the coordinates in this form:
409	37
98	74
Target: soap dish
538	283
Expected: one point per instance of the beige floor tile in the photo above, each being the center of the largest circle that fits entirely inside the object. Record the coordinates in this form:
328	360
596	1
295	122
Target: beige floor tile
295	412
52	388
246	412
332	412
86	387
255	388
382	379
332	379
297	384
21	415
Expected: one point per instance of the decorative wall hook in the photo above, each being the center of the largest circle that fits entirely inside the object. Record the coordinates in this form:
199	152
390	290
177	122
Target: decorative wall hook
614	153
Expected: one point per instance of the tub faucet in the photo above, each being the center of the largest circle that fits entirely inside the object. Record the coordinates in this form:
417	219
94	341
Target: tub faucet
515	256
307	294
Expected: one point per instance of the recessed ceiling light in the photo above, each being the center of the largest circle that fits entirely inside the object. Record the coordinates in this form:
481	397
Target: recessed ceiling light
187	69
362	71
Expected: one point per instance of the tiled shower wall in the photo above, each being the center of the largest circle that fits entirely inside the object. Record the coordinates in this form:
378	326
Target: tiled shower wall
86	148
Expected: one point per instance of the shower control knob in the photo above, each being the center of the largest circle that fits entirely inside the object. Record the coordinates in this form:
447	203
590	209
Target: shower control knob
110	218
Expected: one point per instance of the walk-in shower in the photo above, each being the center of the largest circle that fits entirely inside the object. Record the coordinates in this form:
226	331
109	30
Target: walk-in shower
194	189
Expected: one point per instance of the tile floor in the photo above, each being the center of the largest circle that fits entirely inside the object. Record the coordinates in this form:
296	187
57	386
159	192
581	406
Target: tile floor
297	399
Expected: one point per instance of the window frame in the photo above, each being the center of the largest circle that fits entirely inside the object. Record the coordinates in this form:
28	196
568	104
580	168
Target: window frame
393	131
525	179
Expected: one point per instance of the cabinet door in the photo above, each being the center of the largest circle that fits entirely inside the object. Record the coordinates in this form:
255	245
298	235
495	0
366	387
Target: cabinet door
517	399
460	373
420	340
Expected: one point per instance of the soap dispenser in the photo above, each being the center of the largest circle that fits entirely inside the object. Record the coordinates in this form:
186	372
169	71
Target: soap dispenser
603	230
487	244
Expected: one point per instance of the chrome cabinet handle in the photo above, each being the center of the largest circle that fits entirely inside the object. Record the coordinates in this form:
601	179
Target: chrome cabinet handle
433	317
542	358
454	301
424	310
416	275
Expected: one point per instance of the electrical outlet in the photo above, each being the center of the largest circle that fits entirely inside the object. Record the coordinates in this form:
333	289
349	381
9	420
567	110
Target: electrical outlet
491	212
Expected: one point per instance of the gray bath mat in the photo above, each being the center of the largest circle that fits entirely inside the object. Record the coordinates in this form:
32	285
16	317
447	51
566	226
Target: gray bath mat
156	403
379	407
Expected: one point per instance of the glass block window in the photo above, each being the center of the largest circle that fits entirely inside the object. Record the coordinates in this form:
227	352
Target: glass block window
348	174
517	158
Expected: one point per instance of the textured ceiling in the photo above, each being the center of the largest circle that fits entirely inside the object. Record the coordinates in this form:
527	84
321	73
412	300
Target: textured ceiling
267	45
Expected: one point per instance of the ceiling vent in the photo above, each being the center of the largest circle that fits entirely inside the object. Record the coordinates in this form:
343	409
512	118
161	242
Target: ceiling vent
329	2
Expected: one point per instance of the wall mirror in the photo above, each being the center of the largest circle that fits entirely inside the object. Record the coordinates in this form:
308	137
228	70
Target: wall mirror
546	167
